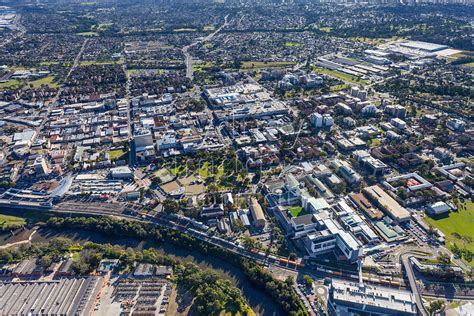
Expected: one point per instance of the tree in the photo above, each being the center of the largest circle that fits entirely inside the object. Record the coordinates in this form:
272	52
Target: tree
435	306
308	280
444	259
46	261
170	206
456	250
249	242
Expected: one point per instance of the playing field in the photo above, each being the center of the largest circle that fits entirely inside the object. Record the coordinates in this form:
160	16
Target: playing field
461	222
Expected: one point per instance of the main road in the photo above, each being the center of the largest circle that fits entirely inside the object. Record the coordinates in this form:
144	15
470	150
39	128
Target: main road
188	59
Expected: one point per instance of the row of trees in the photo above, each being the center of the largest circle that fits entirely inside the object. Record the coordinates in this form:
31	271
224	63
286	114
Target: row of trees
281	292
213	294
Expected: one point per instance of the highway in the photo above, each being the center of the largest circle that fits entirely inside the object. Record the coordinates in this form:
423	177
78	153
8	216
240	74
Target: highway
188	59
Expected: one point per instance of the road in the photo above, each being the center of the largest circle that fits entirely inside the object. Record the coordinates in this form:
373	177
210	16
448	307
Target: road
413	285
188	59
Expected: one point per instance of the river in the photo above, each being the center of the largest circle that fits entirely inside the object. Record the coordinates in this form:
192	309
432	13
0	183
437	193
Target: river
260	302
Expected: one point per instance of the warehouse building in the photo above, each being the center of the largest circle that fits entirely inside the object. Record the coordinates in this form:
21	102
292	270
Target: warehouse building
75	296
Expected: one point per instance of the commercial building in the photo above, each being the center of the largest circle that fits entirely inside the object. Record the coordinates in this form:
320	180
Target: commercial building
321	120
257	213
397	212
143	139
396	110
41	167
424	46
328	235
348	298
122	172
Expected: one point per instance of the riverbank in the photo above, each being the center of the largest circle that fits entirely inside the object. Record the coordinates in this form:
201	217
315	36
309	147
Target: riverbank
258	300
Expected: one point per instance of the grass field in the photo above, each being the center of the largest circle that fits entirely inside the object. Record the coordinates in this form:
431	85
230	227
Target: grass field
50	63
185	30
375	40
10	220
267	64
88	34
339	87
325	29
460	222
9	84
340	75
116	154
97	62
374	142
292	44
297	211
48	80
23	216
208	28
179	170
164	174
207	170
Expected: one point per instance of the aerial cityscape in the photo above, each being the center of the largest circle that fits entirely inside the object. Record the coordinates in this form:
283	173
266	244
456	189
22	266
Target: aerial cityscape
236	157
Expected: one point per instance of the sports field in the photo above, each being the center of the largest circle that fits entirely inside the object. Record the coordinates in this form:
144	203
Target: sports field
460	223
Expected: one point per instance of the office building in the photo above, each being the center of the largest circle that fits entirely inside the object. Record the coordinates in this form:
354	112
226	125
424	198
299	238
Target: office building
348	299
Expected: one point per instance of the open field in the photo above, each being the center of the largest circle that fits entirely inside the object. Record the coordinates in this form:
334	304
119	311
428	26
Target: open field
116	154
325	29
28	216
9	84
267	64
460	222
209	28
185	30
48	80
340	75
164	174
375	40
339	87
88	34
10	220
292	44
96	62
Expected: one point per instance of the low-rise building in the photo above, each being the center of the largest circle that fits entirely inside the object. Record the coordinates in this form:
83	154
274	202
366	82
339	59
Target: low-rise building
387	203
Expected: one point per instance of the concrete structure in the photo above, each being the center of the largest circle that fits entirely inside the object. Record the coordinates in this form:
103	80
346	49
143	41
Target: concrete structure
413	180
257	213
328	235
387	203
348	298
122	172
319	121
456	124
396	110
143	139
41	167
